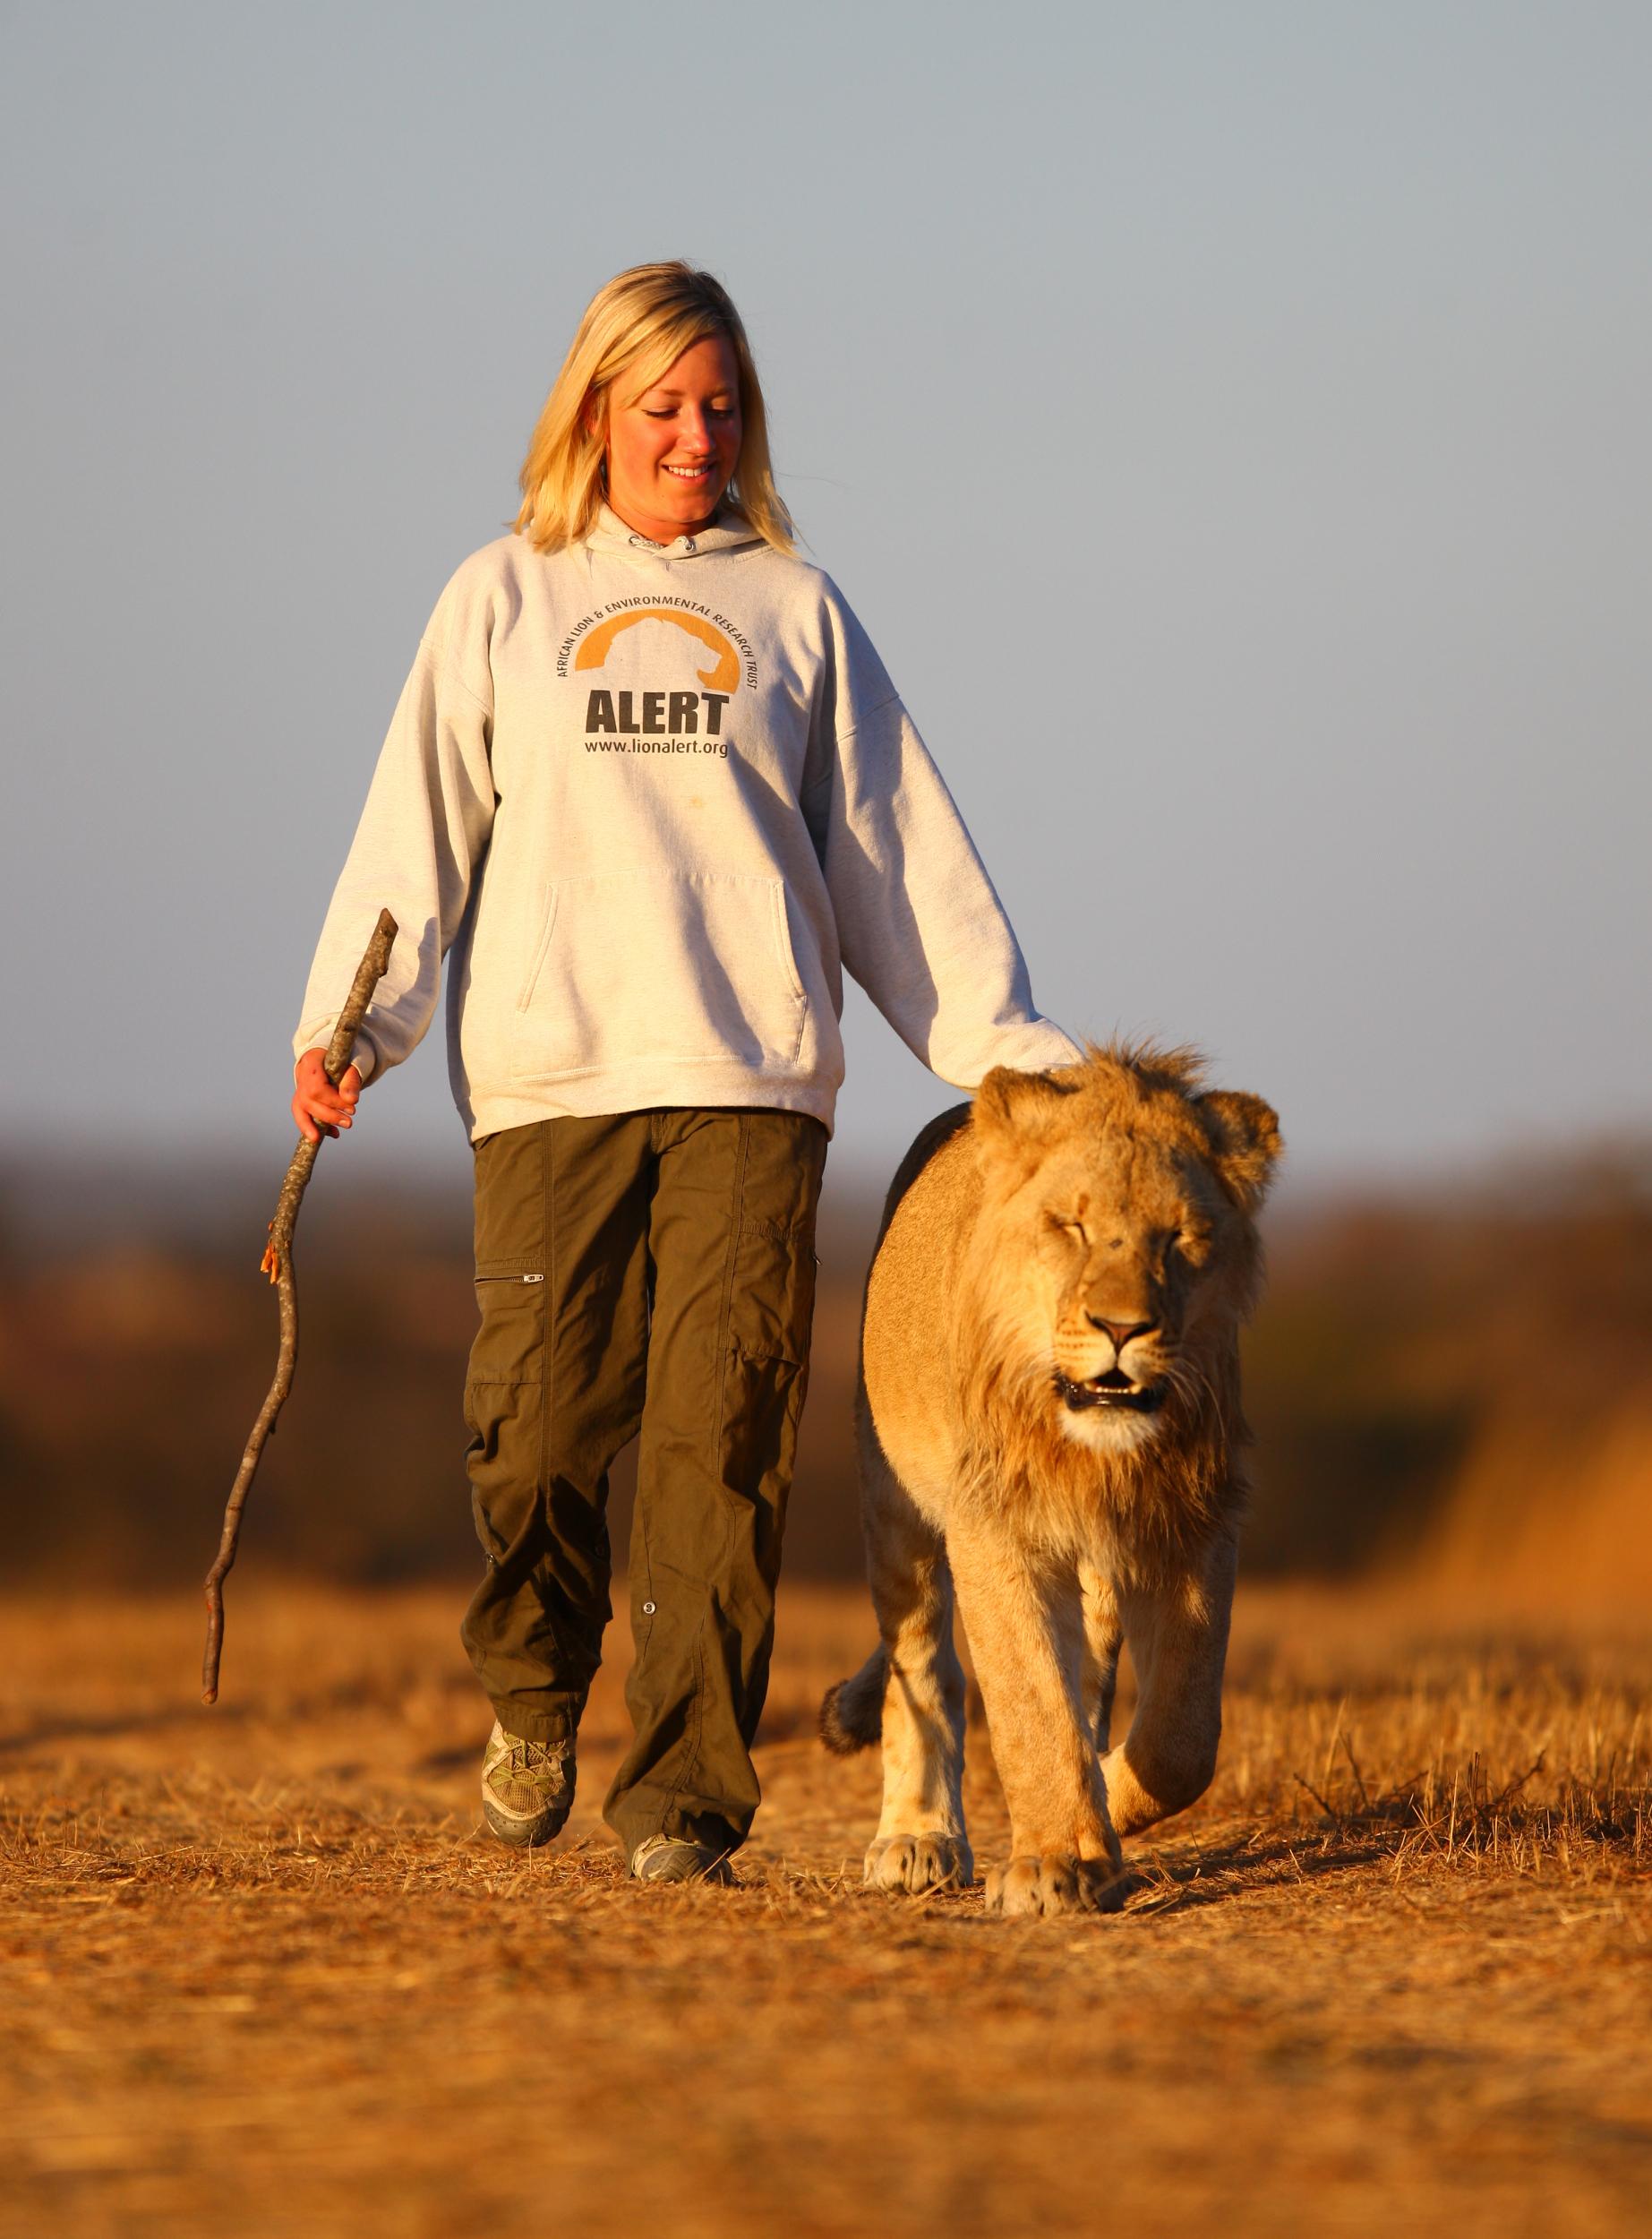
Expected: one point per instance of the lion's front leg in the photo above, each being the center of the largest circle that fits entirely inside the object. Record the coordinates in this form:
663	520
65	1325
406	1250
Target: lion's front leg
1104	1636
1178	1644
920	1843
1025	1632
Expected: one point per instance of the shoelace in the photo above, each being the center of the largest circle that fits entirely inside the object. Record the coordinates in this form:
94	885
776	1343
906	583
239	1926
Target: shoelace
529	1757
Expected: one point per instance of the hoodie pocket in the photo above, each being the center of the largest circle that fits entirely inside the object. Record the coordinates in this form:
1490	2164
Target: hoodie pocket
653	967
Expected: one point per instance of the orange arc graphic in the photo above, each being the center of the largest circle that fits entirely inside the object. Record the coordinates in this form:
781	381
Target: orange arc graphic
722	676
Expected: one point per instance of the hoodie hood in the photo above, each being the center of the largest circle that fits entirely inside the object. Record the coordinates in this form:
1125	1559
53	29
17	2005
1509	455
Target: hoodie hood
729	532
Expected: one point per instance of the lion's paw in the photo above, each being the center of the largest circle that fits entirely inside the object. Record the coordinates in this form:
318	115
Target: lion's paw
919	1862
1052	1884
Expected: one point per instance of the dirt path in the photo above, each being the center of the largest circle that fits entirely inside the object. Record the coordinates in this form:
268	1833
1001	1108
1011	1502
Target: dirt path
264	1975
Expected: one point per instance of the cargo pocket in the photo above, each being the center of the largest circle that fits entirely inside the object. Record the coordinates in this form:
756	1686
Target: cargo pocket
510	1344
504	1404
771	1308
773	1303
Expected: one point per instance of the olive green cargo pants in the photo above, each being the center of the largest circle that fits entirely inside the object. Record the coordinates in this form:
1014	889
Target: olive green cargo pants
652	1271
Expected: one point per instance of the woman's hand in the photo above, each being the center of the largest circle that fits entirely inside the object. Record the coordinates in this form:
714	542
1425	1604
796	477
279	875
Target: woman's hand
320	1108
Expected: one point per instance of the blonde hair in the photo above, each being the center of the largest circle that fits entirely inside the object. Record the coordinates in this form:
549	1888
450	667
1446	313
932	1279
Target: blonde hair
633	329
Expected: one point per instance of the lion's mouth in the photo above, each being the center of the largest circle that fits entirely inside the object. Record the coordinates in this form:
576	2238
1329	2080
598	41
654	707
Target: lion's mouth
1114	1389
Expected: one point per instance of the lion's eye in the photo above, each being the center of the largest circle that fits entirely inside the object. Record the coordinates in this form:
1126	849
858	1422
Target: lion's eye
1194	1245
1064	1224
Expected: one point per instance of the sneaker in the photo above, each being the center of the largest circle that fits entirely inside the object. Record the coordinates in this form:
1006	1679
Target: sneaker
674	1858
527	1787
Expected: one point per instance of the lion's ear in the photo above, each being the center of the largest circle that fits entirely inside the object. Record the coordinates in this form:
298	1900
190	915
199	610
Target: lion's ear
1244	1136
1019	1107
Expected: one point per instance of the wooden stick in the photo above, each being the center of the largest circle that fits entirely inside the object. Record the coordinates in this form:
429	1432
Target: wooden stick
278	1264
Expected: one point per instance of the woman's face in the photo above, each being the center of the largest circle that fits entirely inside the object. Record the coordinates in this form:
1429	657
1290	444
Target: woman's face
671	454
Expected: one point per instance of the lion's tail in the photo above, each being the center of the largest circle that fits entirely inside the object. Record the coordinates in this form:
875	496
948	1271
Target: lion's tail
851	1716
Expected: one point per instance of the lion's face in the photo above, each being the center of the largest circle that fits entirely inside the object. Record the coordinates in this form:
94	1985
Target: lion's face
1123	1241
1123	1250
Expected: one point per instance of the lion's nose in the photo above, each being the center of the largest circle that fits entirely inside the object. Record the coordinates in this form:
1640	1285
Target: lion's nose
1121	1332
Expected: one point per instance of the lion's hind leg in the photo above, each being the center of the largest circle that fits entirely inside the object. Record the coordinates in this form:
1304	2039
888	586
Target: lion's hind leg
920	1843
852	1715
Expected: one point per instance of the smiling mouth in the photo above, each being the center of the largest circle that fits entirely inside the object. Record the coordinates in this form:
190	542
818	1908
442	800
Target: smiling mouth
1114	1389
690	473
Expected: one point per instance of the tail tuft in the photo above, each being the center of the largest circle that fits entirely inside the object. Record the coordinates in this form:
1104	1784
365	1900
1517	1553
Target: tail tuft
851	1716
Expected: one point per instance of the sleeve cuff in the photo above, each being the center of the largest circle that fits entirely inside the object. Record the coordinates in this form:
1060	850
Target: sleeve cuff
364	1057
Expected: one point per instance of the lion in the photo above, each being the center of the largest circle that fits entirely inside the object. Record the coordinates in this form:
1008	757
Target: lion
1049	1432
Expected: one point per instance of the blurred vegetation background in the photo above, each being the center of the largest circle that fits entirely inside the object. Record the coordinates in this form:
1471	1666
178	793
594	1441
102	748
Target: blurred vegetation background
1453	1380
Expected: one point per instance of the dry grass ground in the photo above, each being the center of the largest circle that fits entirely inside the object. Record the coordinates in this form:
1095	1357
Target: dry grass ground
265	1976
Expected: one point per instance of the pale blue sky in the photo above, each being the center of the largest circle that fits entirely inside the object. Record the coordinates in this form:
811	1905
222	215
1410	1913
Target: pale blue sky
1231	421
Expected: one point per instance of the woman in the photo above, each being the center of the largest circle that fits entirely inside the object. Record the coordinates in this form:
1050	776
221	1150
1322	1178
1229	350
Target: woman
649	774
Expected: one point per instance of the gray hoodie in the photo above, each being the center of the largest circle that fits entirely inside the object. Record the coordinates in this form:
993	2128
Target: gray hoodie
663	797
